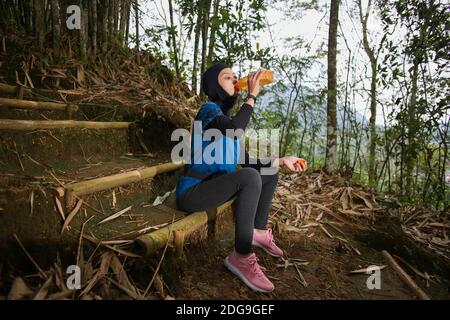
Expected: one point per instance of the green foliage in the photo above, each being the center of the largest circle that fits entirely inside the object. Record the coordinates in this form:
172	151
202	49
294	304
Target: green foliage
236	21
419	113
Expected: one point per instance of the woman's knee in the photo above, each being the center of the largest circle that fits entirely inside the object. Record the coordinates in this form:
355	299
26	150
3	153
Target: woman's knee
250	176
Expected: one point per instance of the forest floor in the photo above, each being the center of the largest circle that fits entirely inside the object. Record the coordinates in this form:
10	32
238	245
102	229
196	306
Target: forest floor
326	272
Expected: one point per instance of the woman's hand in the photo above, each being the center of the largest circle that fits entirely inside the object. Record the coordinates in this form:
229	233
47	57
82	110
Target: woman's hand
294	164
253	82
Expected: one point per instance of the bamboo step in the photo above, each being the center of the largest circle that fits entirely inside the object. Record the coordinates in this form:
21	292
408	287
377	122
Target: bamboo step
152	242
38	105
108	182
27	125
31	92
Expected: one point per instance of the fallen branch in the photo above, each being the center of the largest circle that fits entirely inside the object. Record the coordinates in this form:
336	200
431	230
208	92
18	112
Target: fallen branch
405	277
41	272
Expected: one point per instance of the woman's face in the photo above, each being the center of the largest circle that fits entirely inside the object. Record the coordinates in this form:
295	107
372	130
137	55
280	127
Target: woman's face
227	80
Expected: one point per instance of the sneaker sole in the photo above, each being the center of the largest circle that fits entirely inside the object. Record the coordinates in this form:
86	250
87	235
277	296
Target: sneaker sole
242	277
256	244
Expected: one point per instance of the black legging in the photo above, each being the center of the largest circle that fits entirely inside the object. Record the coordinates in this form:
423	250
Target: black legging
254	196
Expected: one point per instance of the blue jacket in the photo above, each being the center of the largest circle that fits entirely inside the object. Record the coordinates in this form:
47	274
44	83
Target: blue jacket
203	152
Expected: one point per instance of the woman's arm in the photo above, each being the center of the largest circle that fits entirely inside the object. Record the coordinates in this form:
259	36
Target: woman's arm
239	121
257	163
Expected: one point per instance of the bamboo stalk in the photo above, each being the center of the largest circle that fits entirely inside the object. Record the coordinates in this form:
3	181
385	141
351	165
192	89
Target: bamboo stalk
25	125
30	92
6	88
405	277
151	242
36	105
104	183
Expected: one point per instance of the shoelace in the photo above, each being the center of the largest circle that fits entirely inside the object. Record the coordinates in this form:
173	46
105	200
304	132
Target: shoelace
255	267
270	236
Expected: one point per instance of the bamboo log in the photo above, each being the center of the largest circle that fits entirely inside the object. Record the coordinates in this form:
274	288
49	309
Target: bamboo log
37	105
24	125
31	92
6	88
153	241
405	277
104	183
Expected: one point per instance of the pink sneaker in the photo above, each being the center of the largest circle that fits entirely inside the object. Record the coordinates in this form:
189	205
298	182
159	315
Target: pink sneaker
265	241
249	271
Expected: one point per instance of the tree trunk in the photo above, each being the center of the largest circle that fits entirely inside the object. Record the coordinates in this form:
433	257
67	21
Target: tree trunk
283	128
412	125
205	27
93	23
123	21
111	21
136	9
83	30
196	47
212	37
116	18
173	40
373	95
330	160
27	15
127	29
287	123
104	29
56	27
39	10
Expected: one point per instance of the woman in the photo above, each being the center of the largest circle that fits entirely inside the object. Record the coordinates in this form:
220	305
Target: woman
206	186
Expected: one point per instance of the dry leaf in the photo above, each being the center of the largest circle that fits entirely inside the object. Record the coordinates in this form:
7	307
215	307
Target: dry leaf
121	275
31	202
103	270
159	200
43	291
114	200
72	215
59	208
19	290
115	215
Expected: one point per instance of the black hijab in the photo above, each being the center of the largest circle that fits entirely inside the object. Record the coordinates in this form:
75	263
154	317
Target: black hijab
214	91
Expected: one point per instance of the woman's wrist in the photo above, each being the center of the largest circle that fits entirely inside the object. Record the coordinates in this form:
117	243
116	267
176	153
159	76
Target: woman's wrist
278	162
250	102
